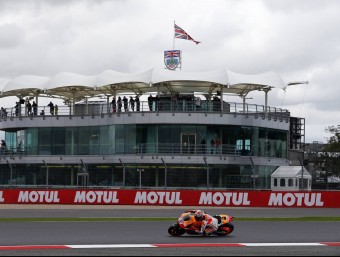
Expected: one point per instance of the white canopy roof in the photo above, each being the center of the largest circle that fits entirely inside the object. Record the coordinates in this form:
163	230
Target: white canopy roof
109	82
290	172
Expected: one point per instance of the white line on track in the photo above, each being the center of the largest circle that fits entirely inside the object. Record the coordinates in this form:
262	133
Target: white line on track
112	246
31	247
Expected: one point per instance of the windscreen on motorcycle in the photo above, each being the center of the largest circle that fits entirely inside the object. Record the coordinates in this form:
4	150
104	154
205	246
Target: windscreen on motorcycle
187	217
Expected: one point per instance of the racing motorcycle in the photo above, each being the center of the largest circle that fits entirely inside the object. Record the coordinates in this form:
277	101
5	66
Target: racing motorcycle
186	224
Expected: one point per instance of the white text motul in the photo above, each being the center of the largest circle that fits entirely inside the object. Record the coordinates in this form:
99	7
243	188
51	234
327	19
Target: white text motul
225	198
2	200
96	197
298	199
158	197
38	197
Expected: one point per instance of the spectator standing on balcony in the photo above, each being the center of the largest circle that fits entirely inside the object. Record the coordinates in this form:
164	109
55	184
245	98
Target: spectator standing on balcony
216	104
218	145
3	112
20	147
51	105
150	102
198	103
29	108
56	109
175	102
212	146
132	103
16	109
157	100
35	108
125	102
113	103
137	103
119	103
26	106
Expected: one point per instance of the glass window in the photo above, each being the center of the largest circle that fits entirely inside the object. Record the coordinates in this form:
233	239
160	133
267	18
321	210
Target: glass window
272	143
151	142
83	140
58	141
246	133
290	182
165	141
119	139
32	141
94	140
71	141
21	141
282	182
44	141
130	139
112	139
104	140
275	182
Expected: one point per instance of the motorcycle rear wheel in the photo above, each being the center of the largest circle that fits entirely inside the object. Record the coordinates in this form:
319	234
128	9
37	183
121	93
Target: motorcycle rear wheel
175	230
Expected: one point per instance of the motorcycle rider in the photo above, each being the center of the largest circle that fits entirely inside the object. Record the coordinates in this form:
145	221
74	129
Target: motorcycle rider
207	223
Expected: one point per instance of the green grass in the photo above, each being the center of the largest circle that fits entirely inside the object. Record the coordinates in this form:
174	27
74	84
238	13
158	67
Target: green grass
136	219
291	219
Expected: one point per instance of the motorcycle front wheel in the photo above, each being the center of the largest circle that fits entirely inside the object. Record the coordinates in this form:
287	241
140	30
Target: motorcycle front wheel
175	230
225	229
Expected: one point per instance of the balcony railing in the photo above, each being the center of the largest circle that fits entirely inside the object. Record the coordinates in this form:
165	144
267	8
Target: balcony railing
96	109
147	150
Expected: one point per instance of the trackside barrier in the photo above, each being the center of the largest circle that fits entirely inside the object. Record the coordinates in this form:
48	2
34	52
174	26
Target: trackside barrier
298	199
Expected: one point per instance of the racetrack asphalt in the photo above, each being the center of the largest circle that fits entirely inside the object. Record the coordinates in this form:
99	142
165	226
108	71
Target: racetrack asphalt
153	232
31	211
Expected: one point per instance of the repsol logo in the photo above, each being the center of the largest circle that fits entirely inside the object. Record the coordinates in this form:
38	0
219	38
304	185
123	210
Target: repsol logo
296	199
158	198
38	197
97	197
224	198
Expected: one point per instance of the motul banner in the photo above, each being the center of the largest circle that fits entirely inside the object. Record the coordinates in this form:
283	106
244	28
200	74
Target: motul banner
329	199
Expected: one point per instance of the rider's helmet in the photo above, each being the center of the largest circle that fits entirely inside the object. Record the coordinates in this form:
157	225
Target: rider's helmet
199	215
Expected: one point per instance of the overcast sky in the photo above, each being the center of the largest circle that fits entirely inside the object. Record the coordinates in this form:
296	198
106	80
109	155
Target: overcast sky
299	39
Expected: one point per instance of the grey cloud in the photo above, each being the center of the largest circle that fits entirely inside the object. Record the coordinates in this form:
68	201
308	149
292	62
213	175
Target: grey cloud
11	36
298	39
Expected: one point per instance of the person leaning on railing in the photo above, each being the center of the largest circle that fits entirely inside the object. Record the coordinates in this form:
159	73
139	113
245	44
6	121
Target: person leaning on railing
3	112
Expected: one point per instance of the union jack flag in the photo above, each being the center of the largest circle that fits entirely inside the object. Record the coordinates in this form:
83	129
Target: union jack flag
174	53
180	33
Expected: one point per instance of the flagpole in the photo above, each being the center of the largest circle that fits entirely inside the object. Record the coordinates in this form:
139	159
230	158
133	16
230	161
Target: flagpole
173	44
173	47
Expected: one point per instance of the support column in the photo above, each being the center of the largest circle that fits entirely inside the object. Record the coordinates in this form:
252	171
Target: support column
165	173
157	177
123	171
46	173
208	172
11	174
266	100
72	176
108	104
221	97
220	181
